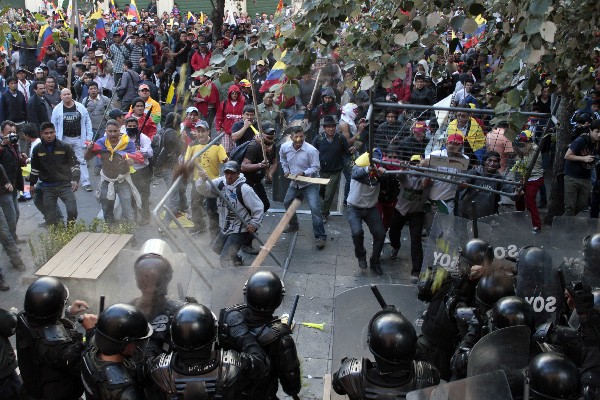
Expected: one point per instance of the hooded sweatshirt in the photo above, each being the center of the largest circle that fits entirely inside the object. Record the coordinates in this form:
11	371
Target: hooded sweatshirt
228	113
252	211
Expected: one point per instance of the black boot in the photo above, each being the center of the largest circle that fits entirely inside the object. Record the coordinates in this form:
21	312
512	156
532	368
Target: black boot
375	265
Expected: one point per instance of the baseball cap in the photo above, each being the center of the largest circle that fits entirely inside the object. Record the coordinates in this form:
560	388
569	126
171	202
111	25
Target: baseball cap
144	86
524	137
416	158
98	53
201	124
260	62
115	112
231	166
419	126
38	70
244	83
456	138
191	109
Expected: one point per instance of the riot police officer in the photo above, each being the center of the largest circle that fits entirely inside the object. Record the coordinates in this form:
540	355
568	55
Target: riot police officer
264	292
392	341
10	382
552	376
195	369
153	273
48	346
439	330
114	353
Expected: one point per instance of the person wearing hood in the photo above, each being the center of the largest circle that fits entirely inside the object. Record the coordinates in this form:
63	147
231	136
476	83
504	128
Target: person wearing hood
354	136
327	107
229	112
233	233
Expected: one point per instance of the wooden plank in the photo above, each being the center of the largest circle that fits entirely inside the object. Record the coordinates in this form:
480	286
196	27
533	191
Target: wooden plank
94	256
69	263
327	387
86	250
308	179
49	267
109	256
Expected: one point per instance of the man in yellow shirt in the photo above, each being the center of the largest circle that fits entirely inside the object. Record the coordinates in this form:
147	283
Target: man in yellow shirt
468	127
210	161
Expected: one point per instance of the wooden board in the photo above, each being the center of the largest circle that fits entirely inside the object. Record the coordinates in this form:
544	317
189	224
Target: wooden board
86	256
308	179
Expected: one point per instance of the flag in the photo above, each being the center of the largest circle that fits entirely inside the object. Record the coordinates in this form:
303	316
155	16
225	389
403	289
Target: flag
100	31
113	9
279	6
201	18
277	12
481	25
132	13
69	10
171	97
45	39
190	18
275	76
125	148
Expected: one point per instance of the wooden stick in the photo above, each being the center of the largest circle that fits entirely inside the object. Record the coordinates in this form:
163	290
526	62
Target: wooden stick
312	96
308	179
327	387
258	122
266	249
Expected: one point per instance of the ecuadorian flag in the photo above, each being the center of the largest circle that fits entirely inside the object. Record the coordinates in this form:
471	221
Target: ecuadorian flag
125	148
100	31
190	18
132	13
45	39
275	76
171	94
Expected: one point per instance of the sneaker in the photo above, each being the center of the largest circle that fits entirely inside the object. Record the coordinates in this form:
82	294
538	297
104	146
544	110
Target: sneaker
537	229
238	260
3	285
414	278
87	188
394	254
291	228
320	243
248	249
375	266
362	263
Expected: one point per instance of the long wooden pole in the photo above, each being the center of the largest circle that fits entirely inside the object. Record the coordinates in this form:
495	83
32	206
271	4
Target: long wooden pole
312	96
266	249
258	122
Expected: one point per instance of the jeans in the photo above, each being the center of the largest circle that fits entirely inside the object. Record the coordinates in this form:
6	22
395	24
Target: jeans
8	208
415	225
327	192
51	196
577	193
371	216
8	241
227	247
38	201
141	179
528	201
123	190
348	163
311	193
15	195
595	202
78	148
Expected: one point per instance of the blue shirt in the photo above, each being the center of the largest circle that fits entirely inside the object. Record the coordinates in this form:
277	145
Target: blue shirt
305	161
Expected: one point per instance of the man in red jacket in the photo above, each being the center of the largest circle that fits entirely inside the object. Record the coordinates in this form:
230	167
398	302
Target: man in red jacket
206	105
229	112
201	58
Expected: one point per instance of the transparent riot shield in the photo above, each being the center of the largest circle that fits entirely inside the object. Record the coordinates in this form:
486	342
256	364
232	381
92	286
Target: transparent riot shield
448	234
354	308
568	235
488	386
510	232
539	284
228	285
505	349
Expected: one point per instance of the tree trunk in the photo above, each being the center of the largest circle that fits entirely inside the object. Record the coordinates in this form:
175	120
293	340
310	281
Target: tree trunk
217	18
556	204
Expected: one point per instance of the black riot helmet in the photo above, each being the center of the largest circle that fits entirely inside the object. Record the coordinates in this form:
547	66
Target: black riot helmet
392	340
552	376
120	325
591	249
153	270
45	299
193	327
264	291
477	252
533	259
596	293
493	287
512	311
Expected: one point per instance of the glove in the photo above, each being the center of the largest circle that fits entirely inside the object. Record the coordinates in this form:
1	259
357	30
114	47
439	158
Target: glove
459	362
583	298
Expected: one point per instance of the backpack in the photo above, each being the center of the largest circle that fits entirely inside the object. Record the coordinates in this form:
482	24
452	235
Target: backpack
238	192
238	153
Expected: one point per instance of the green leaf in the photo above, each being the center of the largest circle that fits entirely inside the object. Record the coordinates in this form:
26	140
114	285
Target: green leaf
255	54
240	47
469	26
433	19
232	60
411	37
514	98
292	72
217	59
457	22
476	9
547	31
366	83
225	77
204	90
290	90
538	8
517	120
502	108
242	64
533	26
38	17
